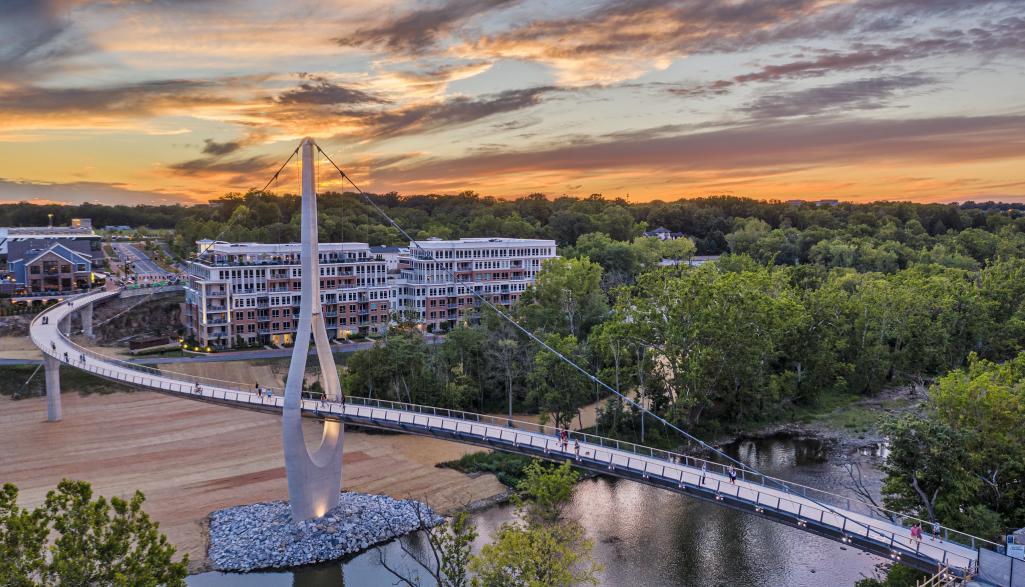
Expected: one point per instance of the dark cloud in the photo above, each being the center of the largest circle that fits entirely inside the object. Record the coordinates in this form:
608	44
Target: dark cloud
670	28
34	36
1004	37
138	98
215	166
321	92
419	30
212	147
779	145
79	192
862	94
455	111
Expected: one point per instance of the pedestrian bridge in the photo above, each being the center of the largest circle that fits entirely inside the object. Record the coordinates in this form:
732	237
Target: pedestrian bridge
856	523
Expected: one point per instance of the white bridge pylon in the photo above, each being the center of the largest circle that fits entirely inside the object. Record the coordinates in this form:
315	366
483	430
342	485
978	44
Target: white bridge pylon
314	479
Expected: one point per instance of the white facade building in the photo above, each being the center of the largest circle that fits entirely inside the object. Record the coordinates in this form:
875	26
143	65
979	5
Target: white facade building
248	293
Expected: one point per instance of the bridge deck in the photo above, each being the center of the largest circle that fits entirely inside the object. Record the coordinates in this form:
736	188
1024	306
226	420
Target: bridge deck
794	505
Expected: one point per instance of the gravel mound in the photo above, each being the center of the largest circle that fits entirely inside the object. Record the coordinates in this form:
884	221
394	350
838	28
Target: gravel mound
263	536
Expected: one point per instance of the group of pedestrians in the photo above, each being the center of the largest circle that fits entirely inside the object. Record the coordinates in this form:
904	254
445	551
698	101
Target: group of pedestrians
563	434
916	532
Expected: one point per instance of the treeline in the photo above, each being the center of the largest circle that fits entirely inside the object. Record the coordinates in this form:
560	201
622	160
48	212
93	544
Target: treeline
25	214
781	232
784	233
719	345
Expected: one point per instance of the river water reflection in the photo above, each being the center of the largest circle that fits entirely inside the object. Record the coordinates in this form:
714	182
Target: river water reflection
650	537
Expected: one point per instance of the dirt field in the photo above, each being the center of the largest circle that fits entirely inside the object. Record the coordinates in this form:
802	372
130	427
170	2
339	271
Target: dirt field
191	458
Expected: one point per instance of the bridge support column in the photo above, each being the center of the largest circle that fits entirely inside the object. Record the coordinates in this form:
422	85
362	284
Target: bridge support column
51	367
314	480
86	315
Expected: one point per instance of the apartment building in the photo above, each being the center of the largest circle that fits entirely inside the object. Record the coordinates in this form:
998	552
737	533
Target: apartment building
248	293
439	281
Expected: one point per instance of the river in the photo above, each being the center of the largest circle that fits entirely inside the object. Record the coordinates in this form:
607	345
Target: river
650	537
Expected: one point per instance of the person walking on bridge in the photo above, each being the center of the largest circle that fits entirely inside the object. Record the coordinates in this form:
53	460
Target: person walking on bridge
704	472
576	448
936	531
733	475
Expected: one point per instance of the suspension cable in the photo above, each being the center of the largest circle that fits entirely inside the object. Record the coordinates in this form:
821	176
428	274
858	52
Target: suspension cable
596	380
568	361
216	238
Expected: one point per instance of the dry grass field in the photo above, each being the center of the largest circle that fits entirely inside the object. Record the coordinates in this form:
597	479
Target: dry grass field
191	458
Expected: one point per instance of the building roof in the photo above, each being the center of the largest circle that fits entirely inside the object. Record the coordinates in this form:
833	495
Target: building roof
58	249
434	243
387	249
9	234
271	248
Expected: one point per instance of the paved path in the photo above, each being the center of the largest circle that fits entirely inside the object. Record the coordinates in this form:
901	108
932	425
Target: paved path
806	508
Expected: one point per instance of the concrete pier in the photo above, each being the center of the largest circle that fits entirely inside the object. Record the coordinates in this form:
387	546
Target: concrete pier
51	367
86	315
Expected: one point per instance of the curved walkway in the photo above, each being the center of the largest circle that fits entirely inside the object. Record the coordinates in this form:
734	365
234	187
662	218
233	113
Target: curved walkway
840	518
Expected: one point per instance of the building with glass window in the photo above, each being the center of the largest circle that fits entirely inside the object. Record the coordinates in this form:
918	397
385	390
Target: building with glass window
248	293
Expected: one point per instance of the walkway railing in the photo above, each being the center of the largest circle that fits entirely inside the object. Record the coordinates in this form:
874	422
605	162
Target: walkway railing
803	503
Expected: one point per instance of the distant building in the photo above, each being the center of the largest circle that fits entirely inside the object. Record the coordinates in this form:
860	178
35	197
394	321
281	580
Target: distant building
663	233
82	223
249	293
15	242
695	261
117	228
831	203
53	269
438	281
390	255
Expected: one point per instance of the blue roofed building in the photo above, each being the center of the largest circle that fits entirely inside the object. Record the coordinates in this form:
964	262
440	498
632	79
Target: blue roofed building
54	269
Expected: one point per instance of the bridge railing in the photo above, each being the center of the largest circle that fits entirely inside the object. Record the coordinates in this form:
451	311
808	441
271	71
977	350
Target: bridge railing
799	510
172	381
851	504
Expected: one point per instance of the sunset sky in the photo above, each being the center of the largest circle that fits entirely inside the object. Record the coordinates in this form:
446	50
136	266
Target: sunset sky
124	101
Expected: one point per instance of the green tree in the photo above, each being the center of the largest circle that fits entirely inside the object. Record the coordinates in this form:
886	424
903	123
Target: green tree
566	297
556	388
535	556
547	490
95	542
928	473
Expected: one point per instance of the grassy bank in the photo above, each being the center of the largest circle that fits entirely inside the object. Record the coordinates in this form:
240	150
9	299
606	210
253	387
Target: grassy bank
507	467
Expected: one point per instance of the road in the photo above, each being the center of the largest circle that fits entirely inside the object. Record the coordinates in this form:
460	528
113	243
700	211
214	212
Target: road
142	265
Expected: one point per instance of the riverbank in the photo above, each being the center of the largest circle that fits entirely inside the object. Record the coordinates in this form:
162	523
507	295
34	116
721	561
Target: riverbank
847	426
190	458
